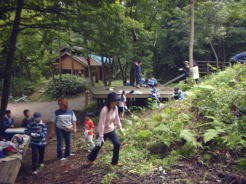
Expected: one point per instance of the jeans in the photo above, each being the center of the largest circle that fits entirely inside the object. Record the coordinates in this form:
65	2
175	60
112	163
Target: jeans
116	142
37	156
61	136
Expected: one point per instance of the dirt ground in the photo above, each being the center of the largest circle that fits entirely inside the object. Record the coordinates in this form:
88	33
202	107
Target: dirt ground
46	108
75	170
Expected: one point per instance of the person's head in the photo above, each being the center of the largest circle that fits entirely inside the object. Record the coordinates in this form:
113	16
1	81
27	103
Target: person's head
186	62
37	117
8	113
87	116
140	62
176	89
194	64
123	92
112	100
26	113
63	104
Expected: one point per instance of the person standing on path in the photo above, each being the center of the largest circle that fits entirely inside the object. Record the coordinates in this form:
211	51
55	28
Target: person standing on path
64	121
139	73
106	129
186	70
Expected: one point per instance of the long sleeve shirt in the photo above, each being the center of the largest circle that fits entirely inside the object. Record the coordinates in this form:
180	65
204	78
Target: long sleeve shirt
8	122
40	129
107	121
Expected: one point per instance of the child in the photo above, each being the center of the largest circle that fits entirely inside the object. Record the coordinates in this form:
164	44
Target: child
195	72
37	129
178	94
8	121
154	96
89	132
122	104
27	118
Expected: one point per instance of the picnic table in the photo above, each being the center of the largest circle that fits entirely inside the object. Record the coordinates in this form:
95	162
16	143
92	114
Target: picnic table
10	165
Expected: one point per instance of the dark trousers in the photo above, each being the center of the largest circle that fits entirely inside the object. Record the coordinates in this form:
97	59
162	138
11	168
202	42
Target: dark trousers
116	142
37	156
62	136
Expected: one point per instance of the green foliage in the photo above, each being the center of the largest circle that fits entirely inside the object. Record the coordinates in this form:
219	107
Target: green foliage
66	85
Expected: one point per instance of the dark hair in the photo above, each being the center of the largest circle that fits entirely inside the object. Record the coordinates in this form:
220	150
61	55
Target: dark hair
7	111
25	111
89	114
139	62
176	89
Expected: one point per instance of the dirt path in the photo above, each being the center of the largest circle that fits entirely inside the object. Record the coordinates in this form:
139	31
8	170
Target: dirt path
46	108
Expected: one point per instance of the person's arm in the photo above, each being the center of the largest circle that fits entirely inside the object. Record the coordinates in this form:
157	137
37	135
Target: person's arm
102	121
44	131
28	130
117	119
74	120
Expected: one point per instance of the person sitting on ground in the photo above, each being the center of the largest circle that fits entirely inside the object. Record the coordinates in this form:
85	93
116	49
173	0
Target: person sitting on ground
186	70
64	123
139	73
152	82
106	129
8	121
37	129
122	105
178	94
241	58
89	131
27	118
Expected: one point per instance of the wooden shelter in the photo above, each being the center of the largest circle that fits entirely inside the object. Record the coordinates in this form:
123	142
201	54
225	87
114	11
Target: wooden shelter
71	63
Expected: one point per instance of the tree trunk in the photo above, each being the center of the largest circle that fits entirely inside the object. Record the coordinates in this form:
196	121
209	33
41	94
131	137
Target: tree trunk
192	33
133	74
10	60
122	72
89	71
103	72
215	54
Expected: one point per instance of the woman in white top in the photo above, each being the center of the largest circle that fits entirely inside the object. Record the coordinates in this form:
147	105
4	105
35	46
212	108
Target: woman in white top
122	104
195	73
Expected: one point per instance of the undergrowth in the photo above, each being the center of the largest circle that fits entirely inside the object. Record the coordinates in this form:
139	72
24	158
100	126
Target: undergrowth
209	125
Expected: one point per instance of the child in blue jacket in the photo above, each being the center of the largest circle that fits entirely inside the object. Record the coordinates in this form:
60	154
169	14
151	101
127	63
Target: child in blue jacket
37	130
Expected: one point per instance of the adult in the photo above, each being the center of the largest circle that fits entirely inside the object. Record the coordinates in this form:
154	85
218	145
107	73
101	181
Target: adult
195	73
241	57
64	121
106	129
186	70
139	73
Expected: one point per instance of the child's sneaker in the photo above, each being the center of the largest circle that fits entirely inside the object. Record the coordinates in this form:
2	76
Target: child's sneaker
62	159
71	154
34	172
42	165
91	162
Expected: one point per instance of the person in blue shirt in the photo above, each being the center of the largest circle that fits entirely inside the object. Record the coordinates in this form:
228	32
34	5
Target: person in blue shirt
152	82
37	129
178	94
139	73
8	121
241	58
154	97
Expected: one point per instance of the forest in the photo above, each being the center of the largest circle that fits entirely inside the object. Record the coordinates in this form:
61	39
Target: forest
162	34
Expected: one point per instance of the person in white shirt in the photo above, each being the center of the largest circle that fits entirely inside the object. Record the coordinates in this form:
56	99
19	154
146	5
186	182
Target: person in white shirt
122	104
195	73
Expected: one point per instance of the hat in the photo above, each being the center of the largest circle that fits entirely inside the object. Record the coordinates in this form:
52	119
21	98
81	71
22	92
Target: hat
37	116
112	97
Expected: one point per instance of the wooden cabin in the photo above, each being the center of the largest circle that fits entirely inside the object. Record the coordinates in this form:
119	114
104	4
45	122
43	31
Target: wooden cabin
70	63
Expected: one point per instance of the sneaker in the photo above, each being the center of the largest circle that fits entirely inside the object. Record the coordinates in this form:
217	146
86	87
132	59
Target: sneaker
91	162
62	159
118	165
34	172
41	165
72	154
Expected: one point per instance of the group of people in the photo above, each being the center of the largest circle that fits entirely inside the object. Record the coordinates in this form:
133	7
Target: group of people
190	72
63	124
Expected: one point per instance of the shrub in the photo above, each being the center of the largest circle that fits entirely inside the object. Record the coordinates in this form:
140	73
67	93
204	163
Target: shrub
66	85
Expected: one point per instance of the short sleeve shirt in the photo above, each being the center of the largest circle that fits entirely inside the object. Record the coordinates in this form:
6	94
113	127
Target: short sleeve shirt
64	119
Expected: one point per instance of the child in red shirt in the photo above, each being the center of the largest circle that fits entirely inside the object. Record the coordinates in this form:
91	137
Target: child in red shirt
89	131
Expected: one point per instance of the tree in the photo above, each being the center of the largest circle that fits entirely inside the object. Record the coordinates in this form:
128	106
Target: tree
192	33
10	59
